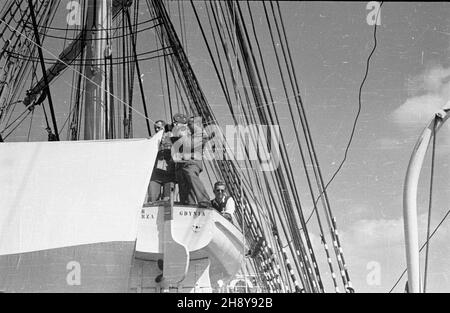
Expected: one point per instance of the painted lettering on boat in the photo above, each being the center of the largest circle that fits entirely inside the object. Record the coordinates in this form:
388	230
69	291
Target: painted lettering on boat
147	216
190	213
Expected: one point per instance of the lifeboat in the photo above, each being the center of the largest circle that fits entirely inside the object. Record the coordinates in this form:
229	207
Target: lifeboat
185	249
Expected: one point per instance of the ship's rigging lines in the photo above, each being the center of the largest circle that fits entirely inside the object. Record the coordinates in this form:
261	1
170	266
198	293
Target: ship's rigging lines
268	203
290	217
119	60
23	35
17	72
425	244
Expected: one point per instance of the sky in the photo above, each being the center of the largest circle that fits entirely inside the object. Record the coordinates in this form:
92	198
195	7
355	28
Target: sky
408	80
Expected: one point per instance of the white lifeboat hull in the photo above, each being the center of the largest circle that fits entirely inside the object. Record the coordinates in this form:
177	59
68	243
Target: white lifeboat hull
214	245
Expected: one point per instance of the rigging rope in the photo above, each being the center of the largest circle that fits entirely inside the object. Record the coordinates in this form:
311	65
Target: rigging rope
313	156
238	64
47	88
240	71
423	246
128	59
430	204
20	68
210	52
359	106
141	87
104	28
74	69
31	123
296	199
168	86
200	109
18	124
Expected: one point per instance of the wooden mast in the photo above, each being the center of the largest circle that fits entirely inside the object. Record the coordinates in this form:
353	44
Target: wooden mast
98	50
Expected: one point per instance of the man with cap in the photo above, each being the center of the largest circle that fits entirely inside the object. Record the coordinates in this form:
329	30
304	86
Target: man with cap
187	153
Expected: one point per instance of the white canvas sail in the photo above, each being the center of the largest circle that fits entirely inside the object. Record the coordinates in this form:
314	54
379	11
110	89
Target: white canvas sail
61	195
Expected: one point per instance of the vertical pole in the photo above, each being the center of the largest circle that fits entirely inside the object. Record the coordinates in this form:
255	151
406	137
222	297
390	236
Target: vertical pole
410	210
99	17
410	198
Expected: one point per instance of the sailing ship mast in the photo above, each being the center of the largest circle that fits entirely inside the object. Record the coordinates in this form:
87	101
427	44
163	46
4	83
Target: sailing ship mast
98	110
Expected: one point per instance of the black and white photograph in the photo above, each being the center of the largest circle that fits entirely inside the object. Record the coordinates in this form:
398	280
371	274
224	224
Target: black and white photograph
235	149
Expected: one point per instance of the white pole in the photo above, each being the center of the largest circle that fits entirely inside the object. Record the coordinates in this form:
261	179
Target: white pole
410	200
410	211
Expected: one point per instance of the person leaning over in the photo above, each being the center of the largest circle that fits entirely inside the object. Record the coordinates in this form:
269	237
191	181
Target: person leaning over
223	203
187	152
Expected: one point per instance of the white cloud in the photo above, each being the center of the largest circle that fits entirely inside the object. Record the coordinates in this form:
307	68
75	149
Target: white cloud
417	111
433	80
372	233
382	241
429	91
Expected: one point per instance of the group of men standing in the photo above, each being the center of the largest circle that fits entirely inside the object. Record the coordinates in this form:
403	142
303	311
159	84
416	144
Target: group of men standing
179	160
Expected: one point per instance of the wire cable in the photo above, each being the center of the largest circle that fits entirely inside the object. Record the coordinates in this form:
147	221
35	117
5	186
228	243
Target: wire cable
423	246
430	204
355	122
